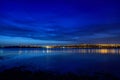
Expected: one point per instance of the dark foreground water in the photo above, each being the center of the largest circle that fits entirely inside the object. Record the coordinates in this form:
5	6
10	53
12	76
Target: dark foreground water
77	62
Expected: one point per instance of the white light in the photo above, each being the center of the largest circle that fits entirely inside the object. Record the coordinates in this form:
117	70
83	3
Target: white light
48	47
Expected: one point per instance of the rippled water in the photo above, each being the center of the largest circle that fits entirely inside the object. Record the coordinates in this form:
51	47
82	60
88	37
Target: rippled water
62	60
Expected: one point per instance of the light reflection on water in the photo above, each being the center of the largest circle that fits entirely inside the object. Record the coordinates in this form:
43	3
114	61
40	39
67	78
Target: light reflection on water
100	51
55	51
66	60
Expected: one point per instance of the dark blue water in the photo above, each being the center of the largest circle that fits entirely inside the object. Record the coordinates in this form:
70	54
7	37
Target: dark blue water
83	61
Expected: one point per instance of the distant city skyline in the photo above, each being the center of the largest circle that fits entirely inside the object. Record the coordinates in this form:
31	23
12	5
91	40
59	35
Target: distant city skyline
59	22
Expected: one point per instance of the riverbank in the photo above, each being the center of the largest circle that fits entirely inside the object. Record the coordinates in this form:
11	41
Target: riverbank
17	73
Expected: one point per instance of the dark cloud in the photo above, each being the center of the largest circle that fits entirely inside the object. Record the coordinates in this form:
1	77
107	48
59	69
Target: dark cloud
61	33
99	28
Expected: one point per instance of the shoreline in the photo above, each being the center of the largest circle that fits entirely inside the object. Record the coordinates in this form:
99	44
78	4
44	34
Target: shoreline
17	73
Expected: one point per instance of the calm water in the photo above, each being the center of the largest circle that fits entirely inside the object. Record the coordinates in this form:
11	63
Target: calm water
62	60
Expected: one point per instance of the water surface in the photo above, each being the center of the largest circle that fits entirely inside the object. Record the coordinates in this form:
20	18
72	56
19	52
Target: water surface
82	61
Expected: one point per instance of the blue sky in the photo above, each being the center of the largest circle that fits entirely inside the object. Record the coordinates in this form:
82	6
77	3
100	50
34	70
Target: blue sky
53	22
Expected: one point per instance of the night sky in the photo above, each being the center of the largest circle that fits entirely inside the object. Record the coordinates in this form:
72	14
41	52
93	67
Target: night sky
53	22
